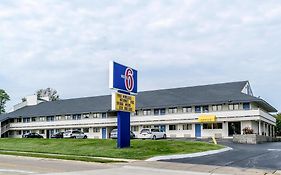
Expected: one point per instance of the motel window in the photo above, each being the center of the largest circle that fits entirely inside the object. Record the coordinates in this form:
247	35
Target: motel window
156	111
11	132
67	117
86	130
25	131
146	126
217	126
96	130
41	131
26	120
147	112
207	126
57	130
96	115
246	106
217	107
187	109
76	117
18	133
205	109
187	127
86	116
233	106
18	120
160	111
33	119
173	110
67	129
58	117
172	127
50	118
135	128
42	119
197	109
212	126
103	115
136	113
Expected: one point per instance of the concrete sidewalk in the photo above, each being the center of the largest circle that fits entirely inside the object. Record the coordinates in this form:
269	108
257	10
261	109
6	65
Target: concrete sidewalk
166	168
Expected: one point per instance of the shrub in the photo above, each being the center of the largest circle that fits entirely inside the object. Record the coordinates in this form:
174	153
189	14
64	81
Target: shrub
248	130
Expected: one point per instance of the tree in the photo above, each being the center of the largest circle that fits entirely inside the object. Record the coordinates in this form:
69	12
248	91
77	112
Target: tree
4	97
278	124
48	92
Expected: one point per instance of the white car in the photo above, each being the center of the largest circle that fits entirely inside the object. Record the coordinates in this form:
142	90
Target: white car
76	134
154	134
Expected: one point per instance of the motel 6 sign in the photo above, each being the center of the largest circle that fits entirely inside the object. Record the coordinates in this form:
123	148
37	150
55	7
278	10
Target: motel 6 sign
123	78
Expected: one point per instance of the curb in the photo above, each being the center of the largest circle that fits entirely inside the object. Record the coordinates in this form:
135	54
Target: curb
181	156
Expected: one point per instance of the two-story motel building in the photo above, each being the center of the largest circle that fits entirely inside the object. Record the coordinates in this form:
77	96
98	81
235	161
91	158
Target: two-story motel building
180	112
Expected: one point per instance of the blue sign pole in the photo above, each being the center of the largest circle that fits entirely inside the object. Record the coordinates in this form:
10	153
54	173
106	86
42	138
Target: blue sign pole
123	135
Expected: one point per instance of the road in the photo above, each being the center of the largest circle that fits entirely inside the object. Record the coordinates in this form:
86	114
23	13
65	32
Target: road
15	165
261	156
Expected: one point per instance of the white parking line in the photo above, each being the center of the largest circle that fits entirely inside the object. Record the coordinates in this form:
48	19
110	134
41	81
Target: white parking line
16	171
273	149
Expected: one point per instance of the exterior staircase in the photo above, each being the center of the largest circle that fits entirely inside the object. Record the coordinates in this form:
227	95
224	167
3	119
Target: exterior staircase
5	128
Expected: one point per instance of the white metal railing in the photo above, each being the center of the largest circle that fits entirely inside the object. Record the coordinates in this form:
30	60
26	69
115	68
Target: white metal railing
5	128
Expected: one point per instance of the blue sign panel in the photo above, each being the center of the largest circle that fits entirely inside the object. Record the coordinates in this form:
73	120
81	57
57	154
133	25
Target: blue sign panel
123	78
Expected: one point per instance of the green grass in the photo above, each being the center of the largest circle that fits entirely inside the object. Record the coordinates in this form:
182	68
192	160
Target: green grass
64	157
140	149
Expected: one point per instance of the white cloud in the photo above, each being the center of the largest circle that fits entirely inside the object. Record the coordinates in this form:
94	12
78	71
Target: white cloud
67	44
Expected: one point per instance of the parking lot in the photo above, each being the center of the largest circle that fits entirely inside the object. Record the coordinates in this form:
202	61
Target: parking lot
262	156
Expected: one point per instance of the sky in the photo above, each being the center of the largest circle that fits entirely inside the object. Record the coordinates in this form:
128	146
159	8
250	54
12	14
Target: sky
67	45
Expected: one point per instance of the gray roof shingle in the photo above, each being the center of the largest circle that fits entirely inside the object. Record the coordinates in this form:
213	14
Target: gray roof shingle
185	96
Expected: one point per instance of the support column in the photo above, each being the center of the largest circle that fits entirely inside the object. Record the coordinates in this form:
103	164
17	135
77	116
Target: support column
264	128
260	132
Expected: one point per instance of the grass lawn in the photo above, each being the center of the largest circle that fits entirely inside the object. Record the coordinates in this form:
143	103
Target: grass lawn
140	149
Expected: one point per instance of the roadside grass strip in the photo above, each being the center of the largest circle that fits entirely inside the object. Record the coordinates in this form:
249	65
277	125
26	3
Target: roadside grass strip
63	157
92	149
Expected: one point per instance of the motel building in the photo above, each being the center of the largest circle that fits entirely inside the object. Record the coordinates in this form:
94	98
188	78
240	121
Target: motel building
219	110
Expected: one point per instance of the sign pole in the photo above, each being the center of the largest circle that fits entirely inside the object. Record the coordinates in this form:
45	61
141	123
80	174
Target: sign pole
123	122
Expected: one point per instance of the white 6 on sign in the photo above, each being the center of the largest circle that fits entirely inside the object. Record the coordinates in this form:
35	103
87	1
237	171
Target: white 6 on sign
129	79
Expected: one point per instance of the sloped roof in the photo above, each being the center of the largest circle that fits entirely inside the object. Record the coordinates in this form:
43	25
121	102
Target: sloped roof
185	96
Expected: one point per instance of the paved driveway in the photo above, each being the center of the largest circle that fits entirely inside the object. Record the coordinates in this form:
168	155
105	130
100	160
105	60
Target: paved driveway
262	156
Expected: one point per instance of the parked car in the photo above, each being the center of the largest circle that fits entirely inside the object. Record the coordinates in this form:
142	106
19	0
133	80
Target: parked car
113	134
76	134
57	135
154	134
32	135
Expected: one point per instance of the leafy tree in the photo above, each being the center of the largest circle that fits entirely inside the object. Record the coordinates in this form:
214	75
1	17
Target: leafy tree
278	124
4	97
48	92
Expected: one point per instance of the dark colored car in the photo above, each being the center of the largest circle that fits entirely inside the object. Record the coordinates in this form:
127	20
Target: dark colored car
57	135
32	135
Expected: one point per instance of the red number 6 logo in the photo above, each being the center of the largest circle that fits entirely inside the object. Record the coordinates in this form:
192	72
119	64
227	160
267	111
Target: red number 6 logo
129	79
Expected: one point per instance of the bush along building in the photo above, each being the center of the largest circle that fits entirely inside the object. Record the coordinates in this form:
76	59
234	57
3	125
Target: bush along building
219	110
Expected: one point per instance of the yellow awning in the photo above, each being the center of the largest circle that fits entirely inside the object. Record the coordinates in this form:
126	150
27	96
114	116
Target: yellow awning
207	118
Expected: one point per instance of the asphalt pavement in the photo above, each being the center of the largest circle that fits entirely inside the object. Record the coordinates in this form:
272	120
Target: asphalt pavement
261	156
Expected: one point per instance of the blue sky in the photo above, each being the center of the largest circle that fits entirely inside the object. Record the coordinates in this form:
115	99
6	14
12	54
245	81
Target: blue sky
68	44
